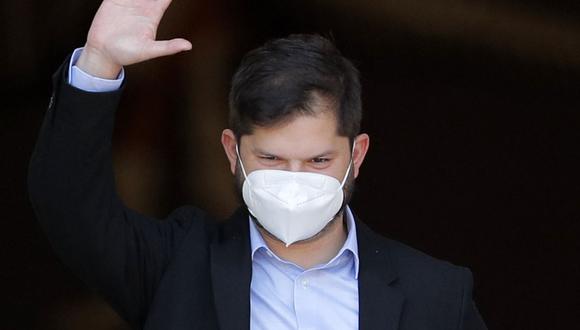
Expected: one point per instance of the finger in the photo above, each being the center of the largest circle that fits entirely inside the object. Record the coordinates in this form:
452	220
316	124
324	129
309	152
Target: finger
164	3
168	47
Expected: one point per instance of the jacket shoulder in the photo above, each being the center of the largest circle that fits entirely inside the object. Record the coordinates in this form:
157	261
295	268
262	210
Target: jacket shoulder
410	264
437	284
413	263
434	289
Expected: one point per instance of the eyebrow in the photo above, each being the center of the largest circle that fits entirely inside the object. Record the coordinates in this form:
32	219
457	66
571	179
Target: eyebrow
259	151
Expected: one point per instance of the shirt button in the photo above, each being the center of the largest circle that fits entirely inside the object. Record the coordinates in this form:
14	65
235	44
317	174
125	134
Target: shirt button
305	283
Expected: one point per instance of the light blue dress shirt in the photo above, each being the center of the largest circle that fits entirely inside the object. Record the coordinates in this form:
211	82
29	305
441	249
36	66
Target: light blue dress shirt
283	295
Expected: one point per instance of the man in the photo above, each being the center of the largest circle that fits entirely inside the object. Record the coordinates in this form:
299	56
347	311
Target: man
294	257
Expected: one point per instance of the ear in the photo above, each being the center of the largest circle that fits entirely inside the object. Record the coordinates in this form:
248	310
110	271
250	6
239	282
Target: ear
229	143
362	142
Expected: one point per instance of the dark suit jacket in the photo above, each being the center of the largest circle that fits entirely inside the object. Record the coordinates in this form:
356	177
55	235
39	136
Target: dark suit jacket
190	272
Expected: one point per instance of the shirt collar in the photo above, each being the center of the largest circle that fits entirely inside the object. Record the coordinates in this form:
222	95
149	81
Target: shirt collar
350	244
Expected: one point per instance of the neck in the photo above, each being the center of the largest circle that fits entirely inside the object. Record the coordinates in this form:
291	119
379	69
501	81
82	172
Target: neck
314	251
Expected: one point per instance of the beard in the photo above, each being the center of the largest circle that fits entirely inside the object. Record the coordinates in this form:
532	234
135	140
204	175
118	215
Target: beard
347	189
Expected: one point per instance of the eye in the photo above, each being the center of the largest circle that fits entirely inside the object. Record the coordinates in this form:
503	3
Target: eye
268	157
320	160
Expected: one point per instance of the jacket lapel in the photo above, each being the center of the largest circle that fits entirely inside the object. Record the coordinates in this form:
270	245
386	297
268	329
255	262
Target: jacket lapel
380	304
231	271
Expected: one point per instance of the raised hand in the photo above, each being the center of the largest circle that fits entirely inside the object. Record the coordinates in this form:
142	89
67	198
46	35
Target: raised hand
123	32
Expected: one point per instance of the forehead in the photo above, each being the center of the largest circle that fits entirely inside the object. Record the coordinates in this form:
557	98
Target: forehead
302	135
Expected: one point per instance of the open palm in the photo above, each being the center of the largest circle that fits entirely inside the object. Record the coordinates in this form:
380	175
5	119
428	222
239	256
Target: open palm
123	32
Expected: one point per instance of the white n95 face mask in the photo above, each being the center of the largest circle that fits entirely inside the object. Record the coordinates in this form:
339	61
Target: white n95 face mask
292	206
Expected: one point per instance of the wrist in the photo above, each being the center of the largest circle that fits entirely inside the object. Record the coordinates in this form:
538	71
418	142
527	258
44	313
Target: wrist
97	65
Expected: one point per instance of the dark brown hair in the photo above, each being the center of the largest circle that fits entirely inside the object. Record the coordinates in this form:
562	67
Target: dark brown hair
285	76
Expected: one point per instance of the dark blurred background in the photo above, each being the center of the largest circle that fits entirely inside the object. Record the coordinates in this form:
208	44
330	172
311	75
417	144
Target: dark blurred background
471	105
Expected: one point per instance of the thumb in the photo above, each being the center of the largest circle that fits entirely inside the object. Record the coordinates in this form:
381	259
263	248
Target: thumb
168	47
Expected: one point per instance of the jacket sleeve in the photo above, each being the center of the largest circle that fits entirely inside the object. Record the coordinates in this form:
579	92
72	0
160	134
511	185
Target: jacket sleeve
470	319
71	186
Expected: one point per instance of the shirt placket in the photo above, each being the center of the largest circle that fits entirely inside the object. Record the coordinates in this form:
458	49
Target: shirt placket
305	300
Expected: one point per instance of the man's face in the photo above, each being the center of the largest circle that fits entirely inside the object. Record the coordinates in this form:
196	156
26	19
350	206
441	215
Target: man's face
305	143
327	158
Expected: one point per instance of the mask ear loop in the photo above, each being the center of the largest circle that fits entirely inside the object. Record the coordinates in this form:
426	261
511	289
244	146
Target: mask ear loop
241	164
349	165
